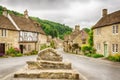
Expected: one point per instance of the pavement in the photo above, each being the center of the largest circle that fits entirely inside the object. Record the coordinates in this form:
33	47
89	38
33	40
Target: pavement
89	68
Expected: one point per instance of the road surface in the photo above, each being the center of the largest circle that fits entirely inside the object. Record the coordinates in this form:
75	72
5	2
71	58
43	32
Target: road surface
10	65
92	69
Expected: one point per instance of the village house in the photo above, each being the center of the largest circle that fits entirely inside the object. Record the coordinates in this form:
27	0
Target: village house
107	33
20	32
78	36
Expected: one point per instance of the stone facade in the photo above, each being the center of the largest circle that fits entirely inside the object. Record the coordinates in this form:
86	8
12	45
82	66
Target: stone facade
79	37
49	65
106	34
10	40
107	37
20	32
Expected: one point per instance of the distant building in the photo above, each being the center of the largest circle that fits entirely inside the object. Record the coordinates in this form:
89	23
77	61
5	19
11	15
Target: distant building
20	32
107	33
78	36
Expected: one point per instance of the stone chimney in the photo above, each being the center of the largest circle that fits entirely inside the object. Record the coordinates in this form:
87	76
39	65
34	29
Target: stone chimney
104	12
5	12
26	14
77	28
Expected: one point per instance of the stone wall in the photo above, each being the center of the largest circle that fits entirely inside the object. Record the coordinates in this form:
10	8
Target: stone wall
106	37
11	39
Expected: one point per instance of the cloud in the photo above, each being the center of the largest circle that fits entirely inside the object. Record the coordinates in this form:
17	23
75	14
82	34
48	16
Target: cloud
70	12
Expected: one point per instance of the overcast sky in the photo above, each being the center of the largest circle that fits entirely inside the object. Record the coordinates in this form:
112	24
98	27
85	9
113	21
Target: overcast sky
70	12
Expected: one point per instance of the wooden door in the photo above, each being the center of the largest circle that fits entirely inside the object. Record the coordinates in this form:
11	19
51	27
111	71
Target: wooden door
2	49
105	50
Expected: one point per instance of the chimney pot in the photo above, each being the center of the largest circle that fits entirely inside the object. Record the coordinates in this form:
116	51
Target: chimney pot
104	12
5	12
77	27
26	14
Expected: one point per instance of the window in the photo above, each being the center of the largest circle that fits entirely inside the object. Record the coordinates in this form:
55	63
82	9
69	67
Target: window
98	46
98	31
115	29
29	47
114	47
84	41
3	32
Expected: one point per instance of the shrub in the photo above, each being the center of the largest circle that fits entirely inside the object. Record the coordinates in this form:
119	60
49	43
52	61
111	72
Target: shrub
97	55
115	57
52	44
18	55
14	52
33	52
89	55
88	50
43	46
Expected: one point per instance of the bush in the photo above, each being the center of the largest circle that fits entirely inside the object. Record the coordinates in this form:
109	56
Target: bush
14	52
97	55
33	52
52	44
88	50
43	46
115	57
89	55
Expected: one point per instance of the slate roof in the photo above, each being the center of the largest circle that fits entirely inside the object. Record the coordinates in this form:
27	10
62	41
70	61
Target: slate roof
109	19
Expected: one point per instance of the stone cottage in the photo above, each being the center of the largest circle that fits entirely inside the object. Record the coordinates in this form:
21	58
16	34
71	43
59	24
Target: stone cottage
78	36
107	33
20	32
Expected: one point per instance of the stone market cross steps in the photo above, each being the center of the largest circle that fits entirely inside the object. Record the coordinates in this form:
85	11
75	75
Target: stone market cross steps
49	65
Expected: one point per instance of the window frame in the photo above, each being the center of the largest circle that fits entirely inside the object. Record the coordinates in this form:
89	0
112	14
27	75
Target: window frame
3	32
115	29
115	48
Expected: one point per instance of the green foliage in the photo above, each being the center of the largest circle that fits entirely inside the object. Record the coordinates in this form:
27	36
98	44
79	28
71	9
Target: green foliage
86	49
33	52
90	41
52	44
43	46
115	57
97	55
94	55
53	28
14	52
86	30
10	12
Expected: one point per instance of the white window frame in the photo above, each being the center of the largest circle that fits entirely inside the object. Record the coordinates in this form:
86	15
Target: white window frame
115	48
115	29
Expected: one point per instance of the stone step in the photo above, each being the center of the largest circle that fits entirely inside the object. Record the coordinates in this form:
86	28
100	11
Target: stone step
42	64
48	74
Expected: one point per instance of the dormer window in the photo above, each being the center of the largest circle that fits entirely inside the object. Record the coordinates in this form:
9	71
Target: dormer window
115	29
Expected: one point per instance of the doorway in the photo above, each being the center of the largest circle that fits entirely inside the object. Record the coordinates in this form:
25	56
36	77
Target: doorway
105	50
21	48
2	49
